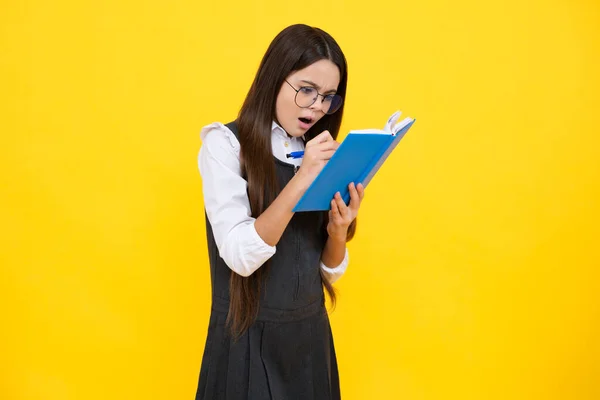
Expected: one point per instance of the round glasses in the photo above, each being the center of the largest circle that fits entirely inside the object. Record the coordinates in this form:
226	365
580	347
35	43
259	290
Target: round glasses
306	96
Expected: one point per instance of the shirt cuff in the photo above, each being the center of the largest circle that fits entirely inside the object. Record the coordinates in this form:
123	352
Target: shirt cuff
333	274
245	251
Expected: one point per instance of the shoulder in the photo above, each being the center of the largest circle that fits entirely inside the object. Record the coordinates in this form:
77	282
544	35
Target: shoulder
217	137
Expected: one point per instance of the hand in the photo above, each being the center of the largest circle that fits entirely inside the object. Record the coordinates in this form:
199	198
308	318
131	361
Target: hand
340	215
316	154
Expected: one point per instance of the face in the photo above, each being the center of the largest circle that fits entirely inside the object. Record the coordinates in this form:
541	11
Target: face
322	75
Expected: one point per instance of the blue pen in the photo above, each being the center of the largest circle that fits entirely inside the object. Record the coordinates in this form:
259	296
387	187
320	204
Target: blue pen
295	154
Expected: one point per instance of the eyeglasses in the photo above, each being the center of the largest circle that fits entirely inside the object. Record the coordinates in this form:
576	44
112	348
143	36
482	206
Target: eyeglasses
306	96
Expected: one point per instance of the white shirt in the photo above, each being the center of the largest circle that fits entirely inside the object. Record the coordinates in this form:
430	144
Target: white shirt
226	200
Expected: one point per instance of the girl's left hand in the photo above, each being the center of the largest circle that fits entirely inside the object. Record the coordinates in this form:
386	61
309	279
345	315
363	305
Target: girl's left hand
340	215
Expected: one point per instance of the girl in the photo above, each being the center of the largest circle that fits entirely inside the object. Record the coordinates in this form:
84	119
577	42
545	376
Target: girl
269	335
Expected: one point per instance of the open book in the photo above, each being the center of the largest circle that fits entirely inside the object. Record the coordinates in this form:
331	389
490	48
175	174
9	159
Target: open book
357	159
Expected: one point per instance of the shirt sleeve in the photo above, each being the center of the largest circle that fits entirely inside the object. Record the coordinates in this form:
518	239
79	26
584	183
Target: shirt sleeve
227	204
333	274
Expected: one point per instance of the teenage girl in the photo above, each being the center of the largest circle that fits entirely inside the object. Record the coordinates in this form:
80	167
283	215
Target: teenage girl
269	335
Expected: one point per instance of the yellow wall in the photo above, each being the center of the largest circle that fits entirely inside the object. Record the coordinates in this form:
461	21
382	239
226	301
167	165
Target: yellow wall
474	274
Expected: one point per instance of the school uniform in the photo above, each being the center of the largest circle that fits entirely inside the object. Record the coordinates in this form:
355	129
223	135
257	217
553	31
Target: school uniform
288	352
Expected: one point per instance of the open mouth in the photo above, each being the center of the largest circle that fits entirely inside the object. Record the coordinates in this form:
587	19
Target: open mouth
306	120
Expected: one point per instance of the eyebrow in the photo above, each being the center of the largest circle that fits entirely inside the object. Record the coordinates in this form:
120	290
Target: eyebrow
317	86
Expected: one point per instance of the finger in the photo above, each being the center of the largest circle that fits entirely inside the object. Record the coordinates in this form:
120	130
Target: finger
361	191
329	145
324	136
354	197
343	209
326	155
335	212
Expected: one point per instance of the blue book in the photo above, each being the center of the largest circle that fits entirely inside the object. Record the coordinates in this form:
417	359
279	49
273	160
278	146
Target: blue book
357	159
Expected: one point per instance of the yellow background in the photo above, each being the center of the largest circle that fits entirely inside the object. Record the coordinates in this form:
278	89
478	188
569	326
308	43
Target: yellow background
474	274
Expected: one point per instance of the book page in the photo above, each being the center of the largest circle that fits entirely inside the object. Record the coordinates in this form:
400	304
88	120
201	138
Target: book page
401	125
392	120
376	131
392	127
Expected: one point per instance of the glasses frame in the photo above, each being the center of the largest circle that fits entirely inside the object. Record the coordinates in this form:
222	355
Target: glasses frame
315	100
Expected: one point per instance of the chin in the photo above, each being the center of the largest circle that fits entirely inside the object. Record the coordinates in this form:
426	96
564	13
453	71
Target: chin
294	131
297	133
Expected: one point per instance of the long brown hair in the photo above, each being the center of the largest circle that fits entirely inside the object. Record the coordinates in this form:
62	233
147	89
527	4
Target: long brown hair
293	49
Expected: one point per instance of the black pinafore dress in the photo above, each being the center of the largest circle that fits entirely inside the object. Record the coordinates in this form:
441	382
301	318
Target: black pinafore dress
288	352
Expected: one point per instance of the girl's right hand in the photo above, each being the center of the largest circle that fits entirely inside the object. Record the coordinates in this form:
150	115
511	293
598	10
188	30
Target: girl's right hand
316	154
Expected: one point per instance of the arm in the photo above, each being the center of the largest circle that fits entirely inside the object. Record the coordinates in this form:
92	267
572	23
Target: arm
334	273
335	254
226	202
245	243
273	221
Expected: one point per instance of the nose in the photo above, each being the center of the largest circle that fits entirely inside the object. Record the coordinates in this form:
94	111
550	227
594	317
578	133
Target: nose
318	104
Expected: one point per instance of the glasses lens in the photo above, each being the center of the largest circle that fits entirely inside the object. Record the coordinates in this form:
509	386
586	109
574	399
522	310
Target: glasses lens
306	97
332	103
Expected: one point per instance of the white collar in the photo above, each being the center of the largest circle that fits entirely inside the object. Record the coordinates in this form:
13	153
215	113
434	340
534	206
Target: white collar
278	130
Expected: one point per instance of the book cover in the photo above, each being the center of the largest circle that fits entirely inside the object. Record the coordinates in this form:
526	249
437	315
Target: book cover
357	159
